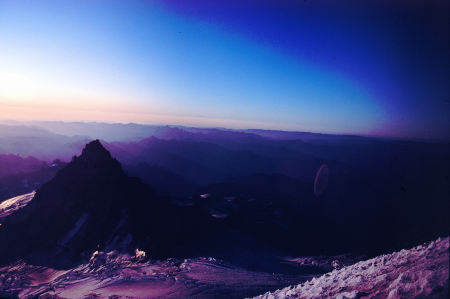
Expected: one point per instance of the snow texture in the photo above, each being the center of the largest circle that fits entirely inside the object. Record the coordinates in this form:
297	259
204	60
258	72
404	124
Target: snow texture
115	275
11	205
416	273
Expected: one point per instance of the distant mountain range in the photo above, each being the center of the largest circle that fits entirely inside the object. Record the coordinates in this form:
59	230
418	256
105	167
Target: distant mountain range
196	189
40	143
22	175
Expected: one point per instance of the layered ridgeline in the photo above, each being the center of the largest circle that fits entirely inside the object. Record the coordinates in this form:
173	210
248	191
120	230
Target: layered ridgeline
92	204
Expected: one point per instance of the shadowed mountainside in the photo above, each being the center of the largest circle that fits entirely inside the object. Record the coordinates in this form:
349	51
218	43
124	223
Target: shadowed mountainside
92	204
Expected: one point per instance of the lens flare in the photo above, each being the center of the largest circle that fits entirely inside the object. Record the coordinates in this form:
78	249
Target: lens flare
321	180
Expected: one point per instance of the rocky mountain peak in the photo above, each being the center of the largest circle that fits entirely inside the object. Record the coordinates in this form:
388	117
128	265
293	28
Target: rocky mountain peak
94	150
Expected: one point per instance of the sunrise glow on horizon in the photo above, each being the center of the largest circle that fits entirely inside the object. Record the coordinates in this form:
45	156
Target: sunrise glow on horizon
227	65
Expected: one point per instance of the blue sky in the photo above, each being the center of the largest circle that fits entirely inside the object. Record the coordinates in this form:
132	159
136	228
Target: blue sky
294	65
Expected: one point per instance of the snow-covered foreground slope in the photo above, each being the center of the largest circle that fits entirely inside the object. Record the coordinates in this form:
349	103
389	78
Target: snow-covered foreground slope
420	272
114	275
11	205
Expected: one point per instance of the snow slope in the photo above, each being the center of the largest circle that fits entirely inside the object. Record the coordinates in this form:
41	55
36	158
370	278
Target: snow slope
114	275
11	205
415	273
418	272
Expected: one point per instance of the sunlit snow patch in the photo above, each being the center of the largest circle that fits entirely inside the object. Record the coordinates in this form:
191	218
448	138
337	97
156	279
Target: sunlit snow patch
11	205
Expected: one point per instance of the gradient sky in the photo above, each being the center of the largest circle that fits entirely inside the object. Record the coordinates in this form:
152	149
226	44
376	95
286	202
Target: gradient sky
360	67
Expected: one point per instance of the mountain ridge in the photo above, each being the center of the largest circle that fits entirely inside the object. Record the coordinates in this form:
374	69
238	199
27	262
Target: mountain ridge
82	208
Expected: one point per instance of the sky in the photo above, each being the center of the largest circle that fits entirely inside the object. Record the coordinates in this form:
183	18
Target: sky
356	67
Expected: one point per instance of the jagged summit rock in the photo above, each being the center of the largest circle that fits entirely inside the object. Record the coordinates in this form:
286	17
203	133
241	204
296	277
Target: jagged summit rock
94	150
95	157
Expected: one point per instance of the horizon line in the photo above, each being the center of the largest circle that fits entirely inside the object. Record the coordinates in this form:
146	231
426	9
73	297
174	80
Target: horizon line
241	129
